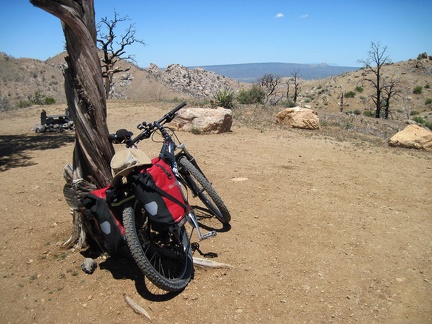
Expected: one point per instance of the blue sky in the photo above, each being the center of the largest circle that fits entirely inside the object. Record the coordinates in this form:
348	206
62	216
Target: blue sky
210	32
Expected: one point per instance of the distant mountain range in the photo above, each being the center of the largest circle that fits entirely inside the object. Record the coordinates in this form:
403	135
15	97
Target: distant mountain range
250	72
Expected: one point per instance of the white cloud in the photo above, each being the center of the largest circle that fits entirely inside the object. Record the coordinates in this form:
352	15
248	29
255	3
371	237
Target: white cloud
304	16
279	15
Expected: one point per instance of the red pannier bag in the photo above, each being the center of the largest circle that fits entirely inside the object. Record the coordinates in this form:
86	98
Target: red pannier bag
158	189
106	217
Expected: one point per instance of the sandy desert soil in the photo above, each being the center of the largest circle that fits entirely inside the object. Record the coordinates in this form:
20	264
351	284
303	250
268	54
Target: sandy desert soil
322	231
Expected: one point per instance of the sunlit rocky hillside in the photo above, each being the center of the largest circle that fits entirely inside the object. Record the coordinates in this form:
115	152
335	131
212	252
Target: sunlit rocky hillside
25	81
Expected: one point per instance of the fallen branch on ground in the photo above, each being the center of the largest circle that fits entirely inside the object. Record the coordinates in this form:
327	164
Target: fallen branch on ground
209	263
137	308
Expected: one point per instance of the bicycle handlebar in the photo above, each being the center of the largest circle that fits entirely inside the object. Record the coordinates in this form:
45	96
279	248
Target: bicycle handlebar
169	116
147	128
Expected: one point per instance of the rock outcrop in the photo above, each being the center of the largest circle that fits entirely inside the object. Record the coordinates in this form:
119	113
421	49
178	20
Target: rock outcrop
197	82
298	118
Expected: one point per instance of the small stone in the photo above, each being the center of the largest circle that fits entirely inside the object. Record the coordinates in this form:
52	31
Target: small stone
89	265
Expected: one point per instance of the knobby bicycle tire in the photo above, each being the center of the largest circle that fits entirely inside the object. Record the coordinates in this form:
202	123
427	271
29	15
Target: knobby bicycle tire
202	188
163	256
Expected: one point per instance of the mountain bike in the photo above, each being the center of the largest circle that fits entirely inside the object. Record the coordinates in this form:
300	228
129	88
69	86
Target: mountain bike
164	252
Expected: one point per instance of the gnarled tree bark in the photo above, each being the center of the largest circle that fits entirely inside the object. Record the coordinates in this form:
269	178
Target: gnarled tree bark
86	99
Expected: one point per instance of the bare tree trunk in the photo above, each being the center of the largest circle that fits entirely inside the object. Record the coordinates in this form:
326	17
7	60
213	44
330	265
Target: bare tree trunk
341	104
86	99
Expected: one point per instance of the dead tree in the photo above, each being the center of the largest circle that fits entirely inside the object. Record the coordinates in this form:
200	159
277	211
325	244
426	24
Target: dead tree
269	83
296	82
113	47
86	100
391	90
287	83
374	64
342	96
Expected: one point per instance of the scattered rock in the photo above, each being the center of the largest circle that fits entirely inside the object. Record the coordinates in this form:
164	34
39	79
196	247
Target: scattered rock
298	118
89	265
413	136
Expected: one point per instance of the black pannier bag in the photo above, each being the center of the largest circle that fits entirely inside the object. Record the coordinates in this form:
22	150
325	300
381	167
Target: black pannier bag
157	188
107	219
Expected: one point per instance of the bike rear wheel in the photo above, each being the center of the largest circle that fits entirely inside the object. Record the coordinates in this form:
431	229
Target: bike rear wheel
202	188
164	256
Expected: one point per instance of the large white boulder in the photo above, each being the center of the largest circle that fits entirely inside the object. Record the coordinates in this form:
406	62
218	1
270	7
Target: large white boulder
203	120
413	136
298	118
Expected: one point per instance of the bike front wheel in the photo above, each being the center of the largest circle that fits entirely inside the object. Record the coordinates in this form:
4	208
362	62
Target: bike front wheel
202	188
164	256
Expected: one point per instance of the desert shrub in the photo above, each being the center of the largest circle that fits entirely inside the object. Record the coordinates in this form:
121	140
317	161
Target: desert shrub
176	100
428	124
357	112
348	126
359	89
24	104
36	98
350	94
224	98
4	104
255	95
49	101
291	104
368	113
427	86
419	120
196	131
418	89
414	112
428	101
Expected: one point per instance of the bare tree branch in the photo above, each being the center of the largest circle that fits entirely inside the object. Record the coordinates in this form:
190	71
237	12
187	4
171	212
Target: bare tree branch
113	47
391	90
269	84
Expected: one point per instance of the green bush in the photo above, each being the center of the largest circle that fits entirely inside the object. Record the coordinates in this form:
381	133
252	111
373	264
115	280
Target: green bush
414	112
49	101
419	120
368	113
36	98
357	112
428	101
418	90
427	86
428	124
224	98
255	95
196	131
359	89
24	104
350	94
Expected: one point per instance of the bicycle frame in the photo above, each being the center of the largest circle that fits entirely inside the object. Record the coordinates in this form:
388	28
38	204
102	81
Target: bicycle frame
168	153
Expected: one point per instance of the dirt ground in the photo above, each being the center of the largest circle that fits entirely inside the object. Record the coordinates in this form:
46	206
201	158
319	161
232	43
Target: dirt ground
322	231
